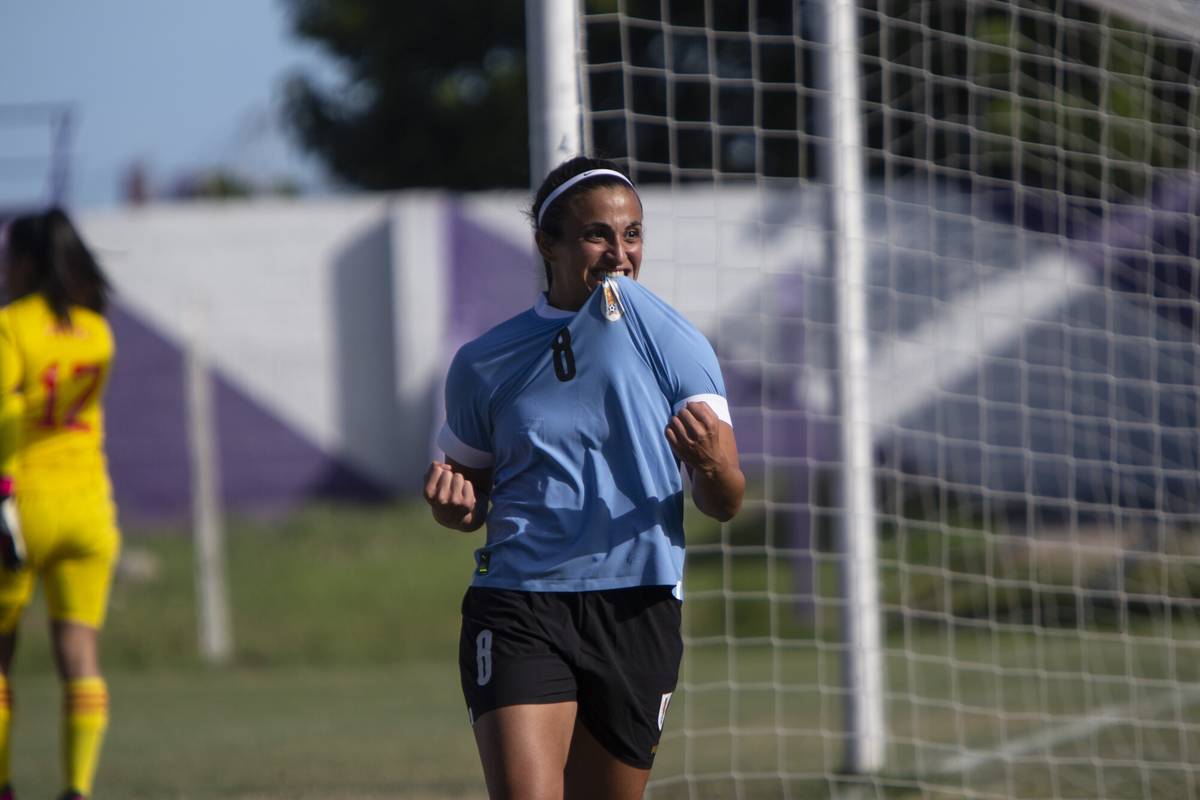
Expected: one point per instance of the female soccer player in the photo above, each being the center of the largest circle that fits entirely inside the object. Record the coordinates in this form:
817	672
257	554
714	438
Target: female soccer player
55	353
565	427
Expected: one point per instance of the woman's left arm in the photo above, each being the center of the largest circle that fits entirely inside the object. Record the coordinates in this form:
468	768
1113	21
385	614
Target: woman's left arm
12	401
707	445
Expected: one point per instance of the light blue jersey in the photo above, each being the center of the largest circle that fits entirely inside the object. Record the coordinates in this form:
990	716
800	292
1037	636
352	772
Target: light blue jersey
569	410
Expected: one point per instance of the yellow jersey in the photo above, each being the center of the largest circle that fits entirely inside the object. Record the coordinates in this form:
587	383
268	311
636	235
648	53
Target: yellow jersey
52	380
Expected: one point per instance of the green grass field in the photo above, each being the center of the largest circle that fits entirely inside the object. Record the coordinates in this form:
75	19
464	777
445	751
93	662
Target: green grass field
345	683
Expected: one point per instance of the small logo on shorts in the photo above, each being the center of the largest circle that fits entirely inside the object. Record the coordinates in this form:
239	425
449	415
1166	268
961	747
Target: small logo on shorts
662	709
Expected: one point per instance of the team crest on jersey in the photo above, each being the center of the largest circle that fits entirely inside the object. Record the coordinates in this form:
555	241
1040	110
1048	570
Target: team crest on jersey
612	300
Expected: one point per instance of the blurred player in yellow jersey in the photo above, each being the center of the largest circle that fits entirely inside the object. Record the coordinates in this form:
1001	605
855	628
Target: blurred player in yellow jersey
57	518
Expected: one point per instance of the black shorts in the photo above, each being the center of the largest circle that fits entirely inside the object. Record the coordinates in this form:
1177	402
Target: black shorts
615	652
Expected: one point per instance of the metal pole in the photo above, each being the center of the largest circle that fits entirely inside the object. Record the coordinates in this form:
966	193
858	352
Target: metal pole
552	42
215	630
863	666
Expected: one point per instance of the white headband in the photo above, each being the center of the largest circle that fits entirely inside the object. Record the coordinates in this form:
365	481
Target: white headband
583	176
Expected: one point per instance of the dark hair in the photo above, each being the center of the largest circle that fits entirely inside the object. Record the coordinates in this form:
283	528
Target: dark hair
552	222
62	269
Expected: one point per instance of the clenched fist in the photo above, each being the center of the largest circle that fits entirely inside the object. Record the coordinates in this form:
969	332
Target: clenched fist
452	497
695	437
701	440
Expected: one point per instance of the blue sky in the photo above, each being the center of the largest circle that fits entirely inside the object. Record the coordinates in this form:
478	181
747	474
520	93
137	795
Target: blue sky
178	85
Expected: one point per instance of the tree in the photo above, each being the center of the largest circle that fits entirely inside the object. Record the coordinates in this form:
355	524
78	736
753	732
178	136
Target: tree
1109	111
434	93
1053	95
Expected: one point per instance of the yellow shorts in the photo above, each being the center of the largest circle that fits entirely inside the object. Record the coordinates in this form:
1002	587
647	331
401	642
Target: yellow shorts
72	542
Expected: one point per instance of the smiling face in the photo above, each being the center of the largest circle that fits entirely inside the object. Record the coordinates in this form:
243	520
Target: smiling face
601	234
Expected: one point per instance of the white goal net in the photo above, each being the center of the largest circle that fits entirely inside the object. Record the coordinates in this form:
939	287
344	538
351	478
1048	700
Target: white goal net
1031	276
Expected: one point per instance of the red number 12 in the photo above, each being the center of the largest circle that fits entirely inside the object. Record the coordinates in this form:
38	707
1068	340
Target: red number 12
86	374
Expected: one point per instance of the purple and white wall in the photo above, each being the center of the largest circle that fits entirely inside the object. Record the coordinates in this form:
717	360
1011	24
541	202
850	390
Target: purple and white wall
328	326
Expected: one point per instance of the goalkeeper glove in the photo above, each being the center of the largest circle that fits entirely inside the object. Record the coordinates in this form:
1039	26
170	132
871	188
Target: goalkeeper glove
12	546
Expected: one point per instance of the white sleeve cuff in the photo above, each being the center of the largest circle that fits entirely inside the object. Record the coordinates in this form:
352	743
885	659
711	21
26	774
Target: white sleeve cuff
718	404
462	452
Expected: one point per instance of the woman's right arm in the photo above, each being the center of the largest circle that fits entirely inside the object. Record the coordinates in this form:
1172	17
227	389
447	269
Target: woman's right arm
458	495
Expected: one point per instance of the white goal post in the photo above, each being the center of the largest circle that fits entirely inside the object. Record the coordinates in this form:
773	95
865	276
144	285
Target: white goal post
949	255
